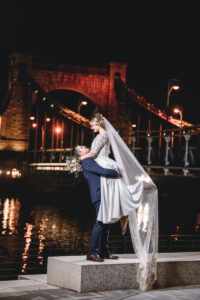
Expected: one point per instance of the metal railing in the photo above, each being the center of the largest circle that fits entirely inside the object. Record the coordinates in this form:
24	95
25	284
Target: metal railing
167	243
168	150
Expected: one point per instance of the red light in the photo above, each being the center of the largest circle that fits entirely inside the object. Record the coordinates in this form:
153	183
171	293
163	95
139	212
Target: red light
34	125
58	130
48	119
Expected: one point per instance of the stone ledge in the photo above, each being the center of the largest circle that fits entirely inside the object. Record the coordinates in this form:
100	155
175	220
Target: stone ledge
78	274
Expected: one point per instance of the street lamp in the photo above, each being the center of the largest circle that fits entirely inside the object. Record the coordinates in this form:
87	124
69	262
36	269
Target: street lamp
180	112
58	130
172	85
81	104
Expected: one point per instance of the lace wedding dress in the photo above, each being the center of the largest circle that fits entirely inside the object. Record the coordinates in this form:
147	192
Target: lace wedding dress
135	195
117	199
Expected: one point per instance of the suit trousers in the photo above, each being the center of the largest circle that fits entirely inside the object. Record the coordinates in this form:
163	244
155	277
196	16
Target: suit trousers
99	236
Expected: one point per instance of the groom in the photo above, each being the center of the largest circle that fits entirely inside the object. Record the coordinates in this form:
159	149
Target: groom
100	233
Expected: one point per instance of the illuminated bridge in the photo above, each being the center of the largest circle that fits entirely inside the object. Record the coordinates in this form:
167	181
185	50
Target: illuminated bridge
43	117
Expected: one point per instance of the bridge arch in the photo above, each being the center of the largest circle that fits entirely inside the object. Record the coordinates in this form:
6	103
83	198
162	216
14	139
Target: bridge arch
71	100
94	87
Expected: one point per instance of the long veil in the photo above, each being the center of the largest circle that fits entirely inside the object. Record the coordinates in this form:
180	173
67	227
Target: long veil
143	221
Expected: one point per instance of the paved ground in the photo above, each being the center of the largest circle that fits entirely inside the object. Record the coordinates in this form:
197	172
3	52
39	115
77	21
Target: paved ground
34	287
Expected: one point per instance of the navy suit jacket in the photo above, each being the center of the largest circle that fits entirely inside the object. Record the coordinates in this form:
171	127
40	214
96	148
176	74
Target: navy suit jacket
92	172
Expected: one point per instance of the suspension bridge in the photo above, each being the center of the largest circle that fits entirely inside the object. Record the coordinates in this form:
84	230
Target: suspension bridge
39	129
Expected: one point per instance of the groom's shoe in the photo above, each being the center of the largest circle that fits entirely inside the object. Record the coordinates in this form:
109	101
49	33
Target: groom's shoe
94	257
109	256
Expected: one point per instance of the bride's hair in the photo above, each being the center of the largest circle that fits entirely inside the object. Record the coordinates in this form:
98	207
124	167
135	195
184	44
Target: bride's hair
98	120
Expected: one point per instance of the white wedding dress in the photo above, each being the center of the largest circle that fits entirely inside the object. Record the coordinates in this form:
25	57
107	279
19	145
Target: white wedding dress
117	199
135	195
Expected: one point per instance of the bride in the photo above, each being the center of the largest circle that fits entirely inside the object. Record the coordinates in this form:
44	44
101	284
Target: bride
116	198
134	195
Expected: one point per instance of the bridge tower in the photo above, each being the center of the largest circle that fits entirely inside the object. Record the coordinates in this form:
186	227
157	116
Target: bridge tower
15	110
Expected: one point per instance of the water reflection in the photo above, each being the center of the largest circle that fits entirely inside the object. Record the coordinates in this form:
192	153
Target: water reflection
10	216
44	230
41	239
25	254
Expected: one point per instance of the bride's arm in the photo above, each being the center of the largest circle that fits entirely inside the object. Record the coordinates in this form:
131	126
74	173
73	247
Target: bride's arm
98	144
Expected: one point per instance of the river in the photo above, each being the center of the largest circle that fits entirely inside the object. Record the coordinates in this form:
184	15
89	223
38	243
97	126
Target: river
35	225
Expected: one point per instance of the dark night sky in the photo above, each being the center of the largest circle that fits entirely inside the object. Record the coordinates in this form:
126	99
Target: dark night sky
158	42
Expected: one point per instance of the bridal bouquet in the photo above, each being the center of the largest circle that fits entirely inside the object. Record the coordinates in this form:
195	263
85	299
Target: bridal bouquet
73	165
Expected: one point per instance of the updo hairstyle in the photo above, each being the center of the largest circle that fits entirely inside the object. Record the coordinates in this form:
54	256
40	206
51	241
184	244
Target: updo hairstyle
97	119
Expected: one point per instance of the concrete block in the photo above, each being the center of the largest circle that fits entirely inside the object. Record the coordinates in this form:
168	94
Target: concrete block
78	274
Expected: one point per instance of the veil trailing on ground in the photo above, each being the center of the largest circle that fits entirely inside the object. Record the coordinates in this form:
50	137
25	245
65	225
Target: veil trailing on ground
143	221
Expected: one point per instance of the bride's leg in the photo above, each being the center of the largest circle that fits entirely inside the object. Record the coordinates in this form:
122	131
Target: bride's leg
124	224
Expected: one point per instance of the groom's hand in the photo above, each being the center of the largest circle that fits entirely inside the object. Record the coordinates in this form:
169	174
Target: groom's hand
87	155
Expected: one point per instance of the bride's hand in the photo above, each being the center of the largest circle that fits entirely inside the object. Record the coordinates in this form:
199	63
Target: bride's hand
120	173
